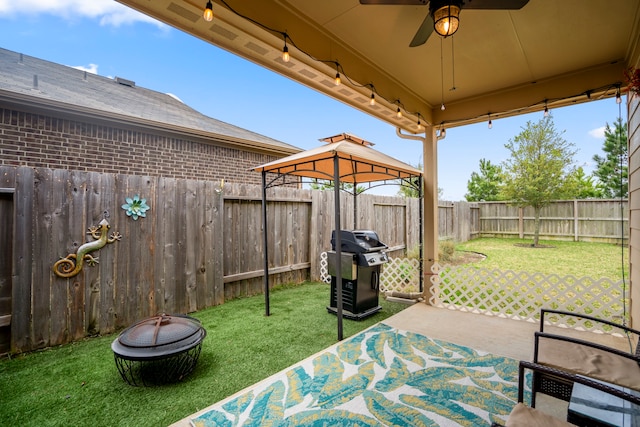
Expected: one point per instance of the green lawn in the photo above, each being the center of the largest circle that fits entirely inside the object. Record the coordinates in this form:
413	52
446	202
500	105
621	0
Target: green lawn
78	384
596	260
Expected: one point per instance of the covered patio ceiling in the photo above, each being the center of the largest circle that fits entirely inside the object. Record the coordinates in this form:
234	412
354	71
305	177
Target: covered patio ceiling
499	63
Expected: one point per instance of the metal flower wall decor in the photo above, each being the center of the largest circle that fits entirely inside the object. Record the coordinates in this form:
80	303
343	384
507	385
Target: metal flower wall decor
136	207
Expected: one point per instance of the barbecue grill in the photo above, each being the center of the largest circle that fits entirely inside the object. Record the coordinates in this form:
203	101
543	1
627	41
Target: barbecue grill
362	259
158	350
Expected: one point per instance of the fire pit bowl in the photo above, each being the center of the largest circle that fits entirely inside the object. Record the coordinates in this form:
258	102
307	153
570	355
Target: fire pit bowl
158	350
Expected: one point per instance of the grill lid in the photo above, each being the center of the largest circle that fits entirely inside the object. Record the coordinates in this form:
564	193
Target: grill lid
159	335
358	241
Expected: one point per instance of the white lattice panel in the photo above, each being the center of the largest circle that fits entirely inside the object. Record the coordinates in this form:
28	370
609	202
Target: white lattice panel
521	295
324	268
399	274
506	293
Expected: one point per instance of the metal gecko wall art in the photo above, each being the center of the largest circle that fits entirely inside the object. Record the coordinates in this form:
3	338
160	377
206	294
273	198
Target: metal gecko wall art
71	265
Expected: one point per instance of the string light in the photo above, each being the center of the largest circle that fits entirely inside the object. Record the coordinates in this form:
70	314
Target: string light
490	124
398	112
208	16
607	89
285	52
340	74
208	12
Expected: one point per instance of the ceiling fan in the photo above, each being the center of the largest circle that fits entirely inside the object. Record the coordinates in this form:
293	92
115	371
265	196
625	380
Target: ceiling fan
444	15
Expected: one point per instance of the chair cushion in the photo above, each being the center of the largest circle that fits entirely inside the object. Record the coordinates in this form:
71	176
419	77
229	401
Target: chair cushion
523	416
590	362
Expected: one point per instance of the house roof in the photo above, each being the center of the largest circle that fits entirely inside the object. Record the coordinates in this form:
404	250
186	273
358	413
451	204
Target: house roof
30	81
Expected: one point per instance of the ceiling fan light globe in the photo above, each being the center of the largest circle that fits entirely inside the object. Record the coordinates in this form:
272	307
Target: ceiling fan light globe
446	20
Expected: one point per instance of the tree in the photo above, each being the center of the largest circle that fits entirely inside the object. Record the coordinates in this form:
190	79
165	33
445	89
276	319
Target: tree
320	184
411	189
539	168
612	171
583	186
485	186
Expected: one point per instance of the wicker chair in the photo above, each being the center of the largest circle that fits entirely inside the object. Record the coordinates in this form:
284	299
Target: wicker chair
529	416
583	358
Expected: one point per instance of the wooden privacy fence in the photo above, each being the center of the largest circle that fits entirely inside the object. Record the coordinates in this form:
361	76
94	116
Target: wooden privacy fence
198	246
598	220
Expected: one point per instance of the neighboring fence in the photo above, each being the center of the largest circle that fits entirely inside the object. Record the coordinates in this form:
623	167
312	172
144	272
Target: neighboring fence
579	220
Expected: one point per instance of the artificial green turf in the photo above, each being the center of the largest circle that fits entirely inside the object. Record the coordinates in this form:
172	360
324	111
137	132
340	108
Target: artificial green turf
78	384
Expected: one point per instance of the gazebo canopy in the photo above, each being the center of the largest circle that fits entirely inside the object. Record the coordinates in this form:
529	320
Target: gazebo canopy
358	162
346	158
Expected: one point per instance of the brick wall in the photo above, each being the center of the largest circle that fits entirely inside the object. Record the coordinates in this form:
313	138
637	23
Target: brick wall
36	140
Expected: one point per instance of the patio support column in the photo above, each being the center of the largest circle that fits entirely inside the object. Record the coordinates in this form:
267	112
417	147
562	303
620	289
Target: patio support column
430	206
265	245
338	242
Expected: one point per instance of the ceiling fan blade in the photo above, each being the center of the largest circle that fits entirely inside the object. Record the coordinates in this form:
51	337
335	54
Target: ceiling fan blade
396	2
423	33
495	4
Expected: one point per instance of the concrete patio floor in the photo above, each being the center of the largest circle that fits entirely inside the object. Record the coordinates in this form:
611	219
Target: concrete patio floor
497	335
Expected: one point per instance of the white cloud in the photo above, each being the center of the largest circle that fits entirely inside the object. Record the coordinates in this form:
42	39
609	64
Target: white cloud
109	12
597	132
91	68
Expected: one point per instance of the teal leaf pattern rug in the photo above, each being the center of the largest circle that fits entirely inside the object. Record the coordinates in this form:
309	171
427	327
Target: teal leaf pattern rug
380	377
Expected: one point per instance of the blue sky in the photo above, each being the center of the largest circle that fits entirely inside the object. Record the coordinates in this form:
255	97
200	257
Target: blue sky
106	38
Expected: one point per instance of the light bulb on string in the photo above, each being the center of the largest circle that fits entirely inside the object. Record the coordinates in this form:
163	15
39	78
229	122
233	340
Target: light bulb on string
618	97
442	107
285	53
490	125
208	12
337	80
372	101
399	113
546	109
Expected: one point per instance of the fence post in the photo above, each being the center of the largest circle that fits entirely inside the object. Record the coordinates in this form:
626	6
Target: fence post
575	220
521	222
461	221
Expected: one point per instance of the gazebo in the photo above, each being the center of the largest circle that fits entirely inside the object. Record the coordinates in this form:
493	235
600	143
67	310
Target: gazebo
344	159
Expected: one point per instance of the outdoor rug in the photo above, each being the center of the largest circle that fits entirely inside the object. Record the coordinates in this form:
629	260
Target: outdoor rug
380	377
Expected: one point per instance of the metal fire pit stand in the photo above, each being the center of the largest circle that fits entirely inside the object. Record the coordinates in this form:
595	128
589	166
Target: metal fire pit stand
158	350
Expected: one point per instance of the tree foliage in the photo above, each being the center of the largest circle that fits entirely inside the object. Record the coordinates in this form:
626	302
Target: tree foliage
583	186
539	169
409	188
320	184
486	185
612	170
